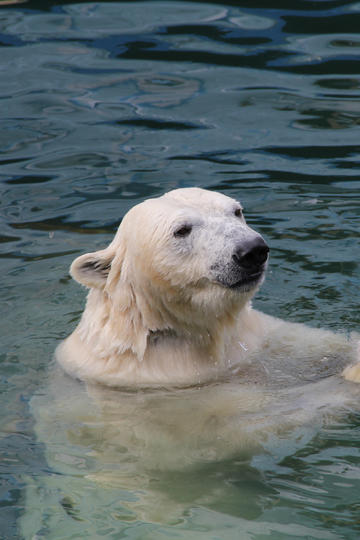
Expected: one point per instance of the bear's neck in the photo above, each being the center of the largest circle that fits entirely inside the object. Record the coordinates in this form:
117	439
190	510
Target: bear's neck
122	349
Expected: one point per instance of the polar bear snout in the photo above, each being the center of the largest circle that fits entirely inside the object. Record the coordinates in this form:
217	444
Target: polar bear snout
251	255
243	268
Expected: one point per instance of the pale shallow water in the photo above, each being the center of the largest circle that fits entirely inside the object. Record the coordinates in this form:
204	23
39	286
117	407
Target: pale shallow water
105	104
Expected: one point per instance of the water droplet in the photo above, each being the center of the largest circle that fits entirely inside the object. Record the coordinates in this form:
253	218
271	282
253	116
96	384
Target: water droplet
244	348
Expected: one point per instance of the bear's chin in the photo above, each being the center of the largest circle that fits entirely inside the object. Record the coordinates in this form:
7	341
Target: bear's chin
247	282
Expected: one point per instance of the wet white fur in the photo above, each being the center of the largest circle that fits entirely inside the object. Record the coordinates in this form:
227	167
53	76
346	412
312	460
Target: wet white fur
156	314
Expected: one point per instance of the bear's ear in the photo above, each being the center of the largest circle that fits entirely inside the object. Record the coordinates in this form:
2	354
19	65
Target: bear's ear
92	269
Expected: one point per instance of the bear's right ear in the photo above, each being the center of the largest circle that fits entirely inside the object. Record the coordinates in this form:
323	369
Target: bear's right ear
92	269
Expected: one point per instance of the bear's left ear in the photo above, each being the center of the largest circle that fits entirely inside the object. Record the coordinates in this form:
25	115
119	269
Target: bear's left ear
92	269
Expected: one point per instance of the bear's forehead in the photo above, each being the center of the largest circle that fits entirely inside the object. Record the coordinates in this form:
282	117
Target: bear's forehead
199	199
188	205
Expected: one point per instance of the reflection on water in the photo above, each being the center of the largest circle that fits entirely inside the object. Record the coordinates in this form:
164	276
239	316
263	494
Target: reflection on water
105	104
163	457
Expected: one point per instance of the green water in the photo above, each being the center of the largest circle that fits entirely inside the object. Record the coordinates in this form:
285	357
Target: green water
105	104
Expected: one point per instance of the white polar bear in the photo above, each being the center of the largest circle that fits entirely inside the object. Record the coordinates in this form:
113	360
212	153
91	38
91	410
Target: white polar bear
169	302
169	306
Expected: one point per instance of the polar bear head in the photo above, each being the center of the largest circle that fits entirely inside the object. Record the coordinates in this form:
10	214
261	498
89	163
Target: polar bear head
180	262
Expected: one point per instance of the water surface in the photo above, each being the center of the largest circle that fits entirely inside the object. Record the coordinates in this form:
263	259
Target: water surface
105	104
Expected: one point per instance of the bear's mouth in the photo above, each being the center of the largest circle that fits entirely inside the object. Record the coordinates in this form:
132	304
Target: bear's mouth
248	279
243	280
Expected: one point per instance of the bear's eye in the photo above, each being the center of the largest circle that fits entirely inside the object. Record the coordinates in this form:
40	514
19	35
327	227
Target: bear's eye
238	212
184	230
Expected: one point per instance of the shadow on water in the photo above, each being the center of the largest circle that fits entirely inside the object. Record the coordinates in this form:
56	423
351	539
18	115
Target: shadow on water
106	104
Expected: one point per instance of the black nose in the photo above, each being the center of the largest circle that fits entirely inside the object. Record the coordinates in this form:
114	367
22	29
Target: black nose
252	254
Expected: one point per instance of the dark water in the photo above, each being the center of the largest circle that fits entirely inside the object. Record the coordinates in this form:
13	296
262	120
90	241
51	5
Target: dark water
105	104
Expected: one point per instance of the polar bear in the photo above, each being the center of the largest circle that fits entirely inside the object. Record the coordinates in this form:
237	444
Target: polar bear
170	302
169	309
